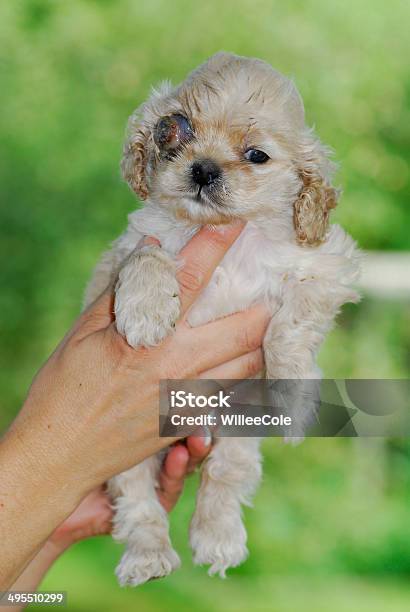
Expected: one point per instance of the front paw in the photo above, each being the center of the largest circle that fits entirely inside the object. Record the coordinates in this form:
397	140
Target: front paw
138	566
147	302
220	543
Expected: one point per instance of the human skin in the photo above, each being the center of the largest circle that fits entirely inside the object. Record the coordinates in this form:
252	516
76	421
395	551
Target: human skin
92	410
93	516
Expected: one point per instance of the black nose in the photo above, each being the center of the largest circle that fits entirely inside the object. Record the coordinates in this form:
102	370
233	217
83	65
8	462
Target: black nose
205	172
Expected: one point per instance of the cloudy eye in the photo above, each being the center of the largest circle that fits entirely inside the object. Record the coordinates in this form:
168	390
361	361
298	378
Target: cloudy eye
255	156
172	131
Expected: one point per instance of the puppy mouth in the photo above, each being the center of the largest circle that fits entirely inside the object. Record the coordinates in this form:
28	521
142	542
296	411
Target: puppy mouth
201	208
202	204
202	199
206	196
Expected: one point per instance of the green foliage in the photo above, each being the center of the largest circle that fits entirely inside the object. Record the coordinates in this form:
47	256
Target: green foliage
329	524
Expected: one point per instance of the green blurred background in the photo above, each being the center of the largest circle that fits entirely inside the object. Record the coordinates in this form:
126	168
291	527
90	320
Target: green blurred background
330	529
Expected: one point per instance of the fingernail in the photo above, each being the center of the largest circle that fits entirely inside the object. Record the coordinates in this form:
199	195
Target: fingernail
207	438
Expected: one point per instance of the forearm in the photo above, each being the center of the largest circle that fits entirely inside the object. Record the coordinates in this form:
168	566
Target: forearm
35	571
27	479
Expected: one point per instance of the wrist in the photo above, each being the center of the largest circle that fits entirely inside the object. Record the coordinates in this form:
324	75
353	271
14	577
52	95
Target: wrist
53	549
48	554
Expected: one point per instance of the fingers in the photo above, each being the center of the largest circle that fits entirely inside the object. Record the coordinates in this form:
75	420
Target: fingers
198	448
200	257
103	514
223	340
237	369
92	517
172	475
180	461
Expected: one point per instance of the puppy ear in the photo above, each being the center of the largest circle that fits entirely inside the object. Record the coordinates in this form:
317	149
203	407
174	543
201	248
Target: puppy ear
135	155
139	149
317	196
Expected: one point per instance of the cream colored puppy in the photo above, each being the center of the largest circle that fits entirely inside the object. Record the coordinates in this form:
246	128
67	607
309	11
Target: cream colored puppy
229	143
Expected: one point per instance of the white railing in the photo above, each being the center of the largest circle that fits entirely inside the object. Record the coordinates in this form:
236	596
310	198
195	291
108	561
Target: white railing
386	274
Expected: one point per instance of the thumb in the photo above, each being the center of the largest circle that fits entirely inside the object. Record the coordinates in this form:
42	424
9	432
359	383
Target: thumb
98	315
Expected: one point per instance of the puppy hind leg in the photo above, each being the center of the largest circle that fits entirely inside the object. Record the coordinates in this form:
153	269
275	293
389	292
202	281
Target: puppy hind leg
142	523
230	477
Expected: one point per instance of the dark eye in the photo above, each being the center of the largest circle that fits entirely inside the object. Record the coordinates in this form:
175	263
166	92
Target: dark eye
172	131
256	157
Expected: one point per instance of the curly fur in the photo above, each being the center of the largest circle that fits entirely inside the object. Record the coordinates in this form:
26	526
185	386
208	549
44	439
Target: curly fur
287	256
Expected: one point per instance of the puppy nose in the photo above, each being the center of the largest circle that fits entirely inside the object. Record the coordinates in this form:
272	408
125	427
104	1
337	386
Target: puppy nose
205	172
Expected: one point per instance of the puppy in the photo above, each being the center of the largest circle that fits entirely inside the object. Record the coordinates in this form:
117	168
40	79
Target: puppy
229	143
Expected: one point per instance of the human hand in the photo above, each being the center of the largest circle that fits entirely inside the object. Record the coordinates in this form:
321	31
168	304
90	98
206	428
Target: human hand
94	514
92	410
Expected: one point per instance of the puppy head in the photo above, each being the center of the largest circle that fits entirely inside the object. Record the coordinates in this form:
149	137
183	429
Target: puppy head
231	142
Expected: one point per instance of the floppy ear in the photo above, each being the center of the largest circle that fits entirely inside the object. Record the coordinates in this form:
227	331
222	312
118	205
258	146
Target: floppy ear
135	156
317	196
139	147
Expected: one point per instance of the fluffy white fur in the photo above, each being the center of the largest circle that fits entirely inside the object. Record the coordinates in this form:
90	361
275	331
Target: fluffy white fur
286	256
